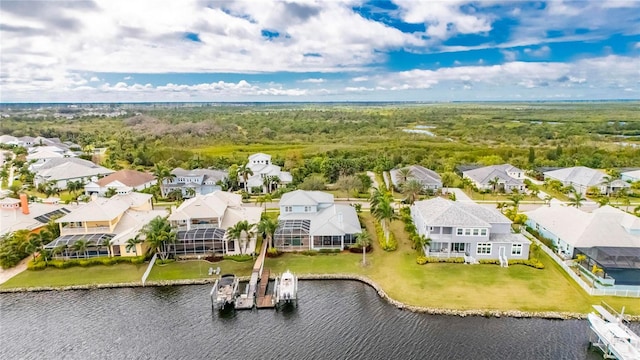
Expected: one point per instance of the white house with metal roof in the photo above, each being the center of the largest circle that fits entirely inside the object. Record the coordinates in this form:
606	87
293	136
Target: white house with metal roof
607	235
262	167
195	218
458	229
193	182
633	175
582	178
508	177
118	219
429	179
122	181
63	170
310	220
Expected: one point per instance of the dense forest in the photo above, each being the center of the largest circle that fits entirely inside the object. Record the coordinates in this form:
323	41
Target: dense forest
342	139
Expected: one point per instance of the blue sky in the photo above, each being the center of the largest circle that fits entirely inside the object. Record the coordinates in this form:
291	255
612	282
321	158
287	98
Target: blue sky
334	50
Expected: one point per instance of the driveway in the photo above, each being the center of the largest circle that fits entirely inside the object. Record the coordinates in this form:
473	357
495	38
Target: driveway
460	195
9	273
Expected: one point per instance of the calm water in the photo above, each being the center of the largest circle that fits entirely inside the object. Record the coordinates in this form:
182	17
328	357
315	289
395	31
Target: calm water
334	320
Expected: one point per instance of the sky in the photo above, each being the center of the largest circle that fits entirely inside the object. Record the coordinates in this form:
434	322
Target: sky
312	50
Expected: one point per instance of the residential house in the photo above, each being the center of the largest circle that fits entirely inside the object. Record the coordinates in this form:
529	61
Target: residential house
63	170
9	140
459	229
507	177
429	179
123	181
117	219
21	215
582	178
193	182
609	237
202	221
262	167
633	175
310	220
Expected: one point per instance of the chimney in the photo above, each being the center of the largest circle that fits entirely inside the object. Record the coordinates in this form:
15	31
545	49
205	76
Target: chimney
24	203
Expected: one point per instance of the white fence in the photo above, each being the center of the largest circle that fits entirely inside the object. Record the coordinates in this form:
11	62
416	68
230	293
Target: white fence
583	284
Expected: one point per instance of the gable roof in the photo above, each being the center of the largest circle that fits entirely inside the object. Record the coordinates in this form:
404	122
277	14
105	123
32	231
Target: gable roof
131	178
605	226
206	206
579	175
65	161
632	174
259	156
485	174
337	219
305	198
205	173
420	173
441	212
72	170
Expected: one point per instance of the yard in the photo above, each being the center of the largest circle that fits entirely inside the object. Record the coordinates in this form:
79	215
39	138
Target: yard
119	273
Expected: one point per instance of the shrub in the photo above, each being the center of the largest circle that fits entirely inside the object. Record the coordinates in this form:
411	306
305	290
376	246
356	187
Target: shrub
358	249
309	252
272	252
421	260
329	251
163	262
213	258
36	265
390	245
84	263
239	258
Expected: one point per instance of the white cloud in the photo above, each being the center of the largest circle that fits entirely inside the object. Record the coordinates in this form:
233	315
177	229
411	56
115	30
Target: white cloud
360	79
314	81
94	79
540	52
509	55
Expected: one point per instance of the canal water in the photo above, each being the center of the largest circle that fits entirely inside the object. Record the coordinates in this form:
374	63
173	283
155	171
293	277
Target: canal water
334	320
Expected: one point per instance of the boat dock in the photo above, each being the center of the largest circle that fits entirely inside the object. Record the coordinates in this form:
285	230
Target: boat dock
612	336
256	293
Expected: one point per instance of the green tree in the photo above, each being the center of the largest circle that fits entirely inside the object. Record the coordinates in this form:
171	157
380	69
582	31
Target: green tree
419	242
106	242
382	209
162	173
412	189
515	201
268	227
363	239
494	184
348	183
80	246
313	182
160	236
404	174
532	156
244	171
576	200
111	192
242	232
74	186
132	244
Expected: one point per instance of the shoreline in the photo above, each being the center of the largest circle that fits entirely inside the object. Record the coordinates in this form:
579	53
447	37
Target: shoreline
518	314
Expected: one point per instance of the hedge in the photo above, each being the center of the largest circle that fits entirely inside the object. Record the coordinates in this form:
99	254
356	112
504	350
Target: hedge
390	245
421	260
534	263
239	258
40	264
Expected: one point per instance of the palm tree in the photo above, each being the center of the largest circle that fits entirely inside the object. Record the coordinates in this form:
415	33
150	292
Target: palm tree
404	174
385	213
59	250
576	200
110	192
580	258
106	242
160	235
74	186
268	226
412	189
162	173
244	171
132	244
547	200
515	200
419	242
237	231
494	184
81	246
190	192
363	239
32	246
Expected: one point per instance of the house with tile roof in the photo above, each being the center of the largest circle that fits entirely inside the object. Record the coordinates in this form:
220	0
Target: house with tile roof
508	177
116	219
429	179
193	182
459	229
310	220
123	181
582	178
202	221
262	167
607	236
22	215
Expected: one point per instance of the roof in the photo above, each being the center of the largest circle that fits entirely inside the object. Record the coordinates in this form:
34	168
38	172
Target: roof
632	174
66	161
201	234
441	212
420	173
305	198
619	184
131	178
337	219
579	175
105	209
210	205
72	170
44	154
6	139
605	226
12	220
259	156
485	174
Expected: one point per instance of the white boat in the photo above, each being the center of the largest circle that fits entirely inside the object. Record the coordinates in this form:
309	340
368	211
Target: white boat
225	291
286	287
615	339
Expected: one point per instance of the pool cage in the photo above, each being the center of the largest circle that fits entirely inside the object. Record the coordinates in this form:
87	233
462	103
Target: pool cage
66	246
292	235
620	263
200	241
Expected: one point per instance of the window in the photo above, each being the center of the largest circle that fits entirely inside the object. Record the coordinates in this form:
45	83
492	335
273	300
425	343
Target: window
288	209
467	232
458	247
483	249
483	232
307	209
476	232
516	249
459	231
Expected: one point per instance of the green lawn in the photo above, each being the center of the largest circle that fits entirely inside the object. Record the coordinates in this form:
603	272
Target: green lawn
119	273
454	286
499	197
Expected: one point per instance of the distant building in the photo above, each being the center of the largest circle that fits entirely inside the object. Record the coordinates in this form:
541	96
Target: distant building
582	178
261	166
310	220
123	181
63	170
429	179
21	215
633	175
508	177
193	182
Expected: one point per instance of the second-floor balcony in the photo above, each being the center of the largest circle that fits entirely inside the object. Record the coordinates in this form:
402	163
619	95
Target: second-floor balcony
84	230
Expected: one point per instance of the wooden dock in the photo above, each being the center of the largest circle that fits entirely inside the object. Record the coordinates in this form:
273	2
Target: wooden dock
264	300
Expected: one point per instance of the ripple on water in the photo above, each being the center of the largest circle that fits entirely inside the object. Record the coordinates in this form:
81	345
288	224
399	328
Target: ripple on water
334	320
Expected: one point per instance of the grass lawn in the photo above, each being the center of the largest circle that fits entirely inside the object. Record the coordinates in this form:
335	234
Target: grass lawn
499	197
194	269
556	194
119	273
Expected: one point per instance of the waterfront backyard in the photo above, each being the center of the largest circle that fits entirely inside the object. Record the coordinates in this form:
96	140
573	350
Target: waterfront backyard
453	286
